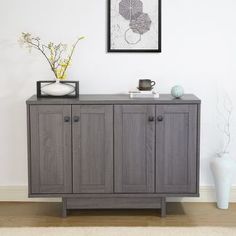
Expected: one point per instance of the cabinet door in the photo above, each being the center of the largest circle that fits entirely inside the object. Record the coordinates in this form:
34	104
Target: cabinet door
50	163
92	149
176	149
134	148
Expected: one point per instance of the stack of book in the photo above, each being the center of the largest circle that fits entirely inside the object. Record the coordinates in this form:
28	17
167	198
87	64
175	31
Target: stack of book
143	94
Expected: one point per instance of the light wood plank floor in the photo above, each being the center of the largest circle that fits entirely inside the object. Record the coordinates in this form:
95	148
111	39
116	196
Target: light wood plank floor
178	214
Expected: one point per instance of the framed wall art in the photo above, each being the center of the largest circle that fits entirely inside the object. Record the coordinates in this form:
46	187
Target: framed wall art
134	25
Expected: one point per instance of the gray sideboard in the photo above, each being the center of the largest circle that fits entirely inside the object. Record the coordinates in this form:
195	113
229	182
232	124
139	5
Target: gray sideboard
110	151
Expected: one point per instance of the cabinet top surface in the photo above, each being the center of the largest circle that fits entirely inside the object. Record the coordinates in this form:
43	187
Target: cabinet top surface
113	99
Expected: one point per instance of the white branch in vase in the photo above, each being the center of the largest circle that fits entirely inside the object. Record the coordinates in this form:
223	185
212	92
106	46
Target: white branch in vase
225	114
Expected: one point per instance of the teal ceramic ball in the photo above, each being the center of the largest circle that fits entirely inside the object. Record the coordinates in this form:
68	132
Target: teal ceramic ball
177	91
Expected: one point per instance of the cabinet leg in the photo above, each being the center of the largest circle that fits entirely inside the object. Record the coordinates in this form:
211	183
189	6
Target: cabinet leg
64	207
163	207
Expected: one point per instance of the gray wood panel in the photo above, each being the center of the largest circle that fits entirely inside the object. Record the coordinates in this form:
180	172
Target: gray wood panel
29	150
198	145
50	149
176	149
93	149
122	99
130	195
134	140
114	203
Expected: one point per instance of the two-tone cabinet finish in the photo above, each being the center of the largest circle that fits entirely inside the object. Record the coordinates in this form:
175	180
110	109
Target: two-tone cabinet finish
109	151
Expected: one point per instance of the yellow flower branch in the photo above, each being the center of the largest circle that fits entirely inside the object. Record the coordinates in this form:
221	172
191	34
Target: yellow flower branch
52	52
71	54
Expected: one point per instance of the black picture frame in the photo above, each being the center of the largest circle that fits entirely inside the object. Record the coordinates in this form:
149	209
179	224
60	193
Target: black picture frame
75	84
158	50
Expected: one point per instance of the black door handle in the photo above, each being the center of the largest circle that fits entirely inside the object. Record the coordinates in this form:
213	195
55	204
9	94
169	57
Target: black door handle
160	118
76	119
66	119
151	118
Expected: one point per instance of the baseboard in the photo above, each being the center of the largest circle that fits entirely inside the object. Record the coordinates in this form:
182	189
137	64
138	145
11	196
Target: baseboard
207	194
20	194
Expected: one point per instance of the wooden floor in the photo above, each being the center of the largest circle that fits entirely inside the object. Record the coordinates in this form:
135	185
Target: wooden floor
179	214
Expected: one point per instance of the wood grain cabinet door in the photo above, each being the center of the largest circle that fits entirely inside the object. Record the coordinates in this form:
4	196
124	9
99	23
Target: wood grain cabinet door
134	142
50	163
92	148
176	149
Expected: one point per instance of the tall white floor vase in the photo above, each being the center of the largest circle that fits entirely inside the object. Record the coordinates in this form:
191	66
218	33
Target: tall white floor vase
223	169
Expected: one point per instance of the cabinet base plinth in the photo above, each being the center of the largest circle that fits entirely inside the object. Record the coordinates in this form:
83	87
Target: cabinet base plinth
114	203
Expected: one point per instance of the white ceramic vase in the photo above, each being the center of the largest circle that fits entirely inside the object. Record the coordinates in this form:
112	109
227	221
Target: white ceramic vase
57	89
223	169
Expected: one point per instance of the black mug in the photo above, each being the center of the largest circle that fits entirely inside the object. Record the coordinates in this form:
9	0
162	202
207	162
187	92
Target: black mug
146	84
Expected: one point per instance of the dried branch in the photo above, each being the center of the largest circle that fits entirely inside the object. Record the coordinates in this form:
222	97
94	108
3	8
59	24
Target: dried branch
57	64
37	46
226	115
71	54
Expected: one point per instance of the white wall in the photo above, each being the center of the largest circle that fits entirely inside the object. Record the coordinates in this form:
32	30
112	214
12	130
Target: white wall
199	52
